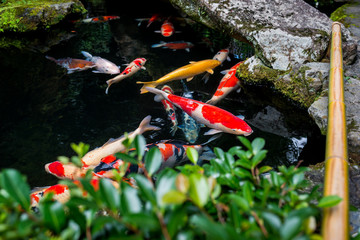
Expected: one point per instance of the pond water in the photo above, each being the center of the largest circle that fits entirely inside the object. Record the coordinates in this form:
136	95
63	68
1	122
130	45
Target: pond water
44	109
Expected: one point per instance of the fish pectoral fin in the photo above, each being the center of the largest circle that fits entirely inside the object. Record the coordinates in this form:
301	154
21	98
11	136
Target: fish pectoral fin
191	62
143	68
94	71
210	71
109	141
212	132
238	90
189	79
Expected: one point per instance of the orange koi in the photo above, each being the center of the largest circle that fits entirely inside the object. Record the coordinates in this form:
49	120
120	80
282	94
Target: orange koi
72	64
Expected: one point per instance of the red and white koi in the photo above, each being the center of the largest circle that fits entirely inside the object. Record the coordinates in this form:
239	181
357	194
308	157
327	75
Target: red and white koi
102	65
65	171
167	29
174	45
97	19
93	158
227	84
221	56
211	116
130	70
153	18
170	110
72	64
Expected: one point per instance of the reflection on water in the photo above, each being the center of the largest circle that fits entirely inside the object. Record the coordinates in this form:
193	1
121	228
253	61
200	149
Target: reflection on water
44	109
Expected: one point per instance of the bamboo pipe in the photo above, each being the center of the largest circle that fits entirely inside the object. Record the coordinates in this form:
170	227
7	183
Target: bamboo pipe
336	219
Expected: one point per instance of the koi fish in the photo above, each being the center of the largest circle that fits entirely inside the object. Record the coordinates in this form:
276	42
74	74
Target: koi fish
221	55
173	154
65	171
170	110
174	45
93	158
213	117
167	29
150	20
72	64
130	70
187	71
102	65
61	192
98	19
227	84
189	126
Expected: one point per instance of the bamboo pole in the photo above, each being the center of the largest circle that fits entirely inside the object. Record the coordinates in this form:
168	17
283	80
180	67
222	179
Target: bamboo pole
336	219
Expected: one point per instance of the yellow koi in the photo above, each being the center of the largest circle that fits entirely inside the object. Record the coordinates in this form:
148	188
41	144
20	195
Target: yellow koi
187	71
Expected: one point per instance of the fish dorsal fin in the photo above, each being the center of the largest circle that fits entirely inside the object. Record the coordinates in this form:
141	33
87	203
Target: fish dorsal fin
242	117
191	62
210	71
109	141
225	71
212	132
189	79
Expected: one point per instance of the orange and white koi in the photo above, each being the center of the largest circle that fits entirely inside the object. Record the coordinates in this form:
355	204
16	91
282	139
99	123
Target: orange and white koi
72	64
102	65
221	56
153	18
211	116
174	45
186	72
170	110
93	158
65	171
167	29
227	84
130	70
97	19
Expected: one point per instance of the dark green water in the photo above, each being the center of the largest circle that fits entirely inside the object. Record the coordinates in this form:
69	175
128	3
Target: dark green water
43	109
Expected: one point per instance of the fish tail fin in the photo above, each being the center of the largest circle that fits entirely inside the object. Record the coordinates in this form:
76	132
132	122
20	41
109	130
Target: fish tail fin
146	126
162	43
211	102
109	83
211	139
160	95
146	84
206	77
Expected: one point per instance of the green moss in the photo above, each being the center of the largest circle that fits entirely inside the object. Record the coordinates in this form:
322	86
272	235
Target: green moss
292	83
340	14
29	15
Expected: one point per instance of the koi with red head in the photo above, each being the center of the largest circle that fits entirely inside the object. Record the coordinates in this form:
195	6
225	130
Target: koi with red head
213	117
130	70
227	84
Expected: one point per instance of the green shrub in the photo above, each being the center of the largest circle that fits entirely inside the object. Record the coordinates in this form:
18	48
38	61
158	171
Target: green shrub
230	197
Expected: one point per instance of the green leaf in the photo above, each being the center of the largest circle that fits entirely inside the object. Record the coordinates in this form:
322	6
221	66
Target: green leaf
140	145
260	155
165	183
176	220
257	144
146	188
174	197
219	153
153	160
192	154
248	192
329	201
244	163
125	157
233	150
213	231
240	202
130	202
81	149
275	179
290	228
15	185
199	189
109	194
182	183
53	215
246	142
144	221
265	169
272	222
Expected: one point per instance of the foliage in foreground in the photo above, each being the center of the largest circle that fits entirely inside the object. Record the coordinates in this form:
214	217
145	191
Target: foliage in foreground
228	198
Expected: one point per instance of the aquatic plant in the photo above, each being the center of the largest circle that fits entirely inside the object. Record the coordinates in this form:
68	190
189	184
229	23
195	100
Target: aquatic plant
231	197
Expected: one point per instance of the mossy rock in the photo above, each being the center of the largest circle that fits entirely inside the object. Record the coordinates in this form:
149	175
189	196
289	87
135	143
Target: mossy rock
30	15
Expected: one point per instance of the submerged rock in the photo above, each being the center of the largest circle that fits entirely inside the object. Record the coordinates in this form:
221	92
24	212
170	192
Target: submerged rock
34	15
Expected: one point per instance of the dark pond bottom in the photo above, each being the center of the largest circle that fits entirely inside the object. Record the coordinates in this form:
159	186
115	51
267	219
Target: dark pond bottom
44	110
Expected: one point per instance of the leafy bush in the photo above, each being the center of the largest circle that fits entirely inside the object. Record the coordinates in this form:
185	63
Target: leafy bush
231	197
